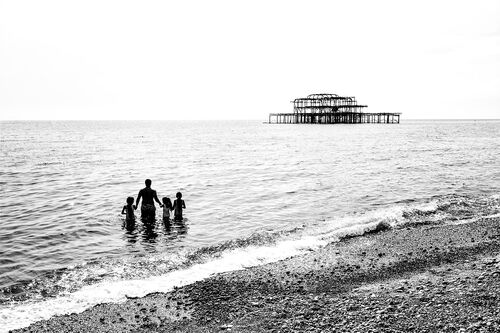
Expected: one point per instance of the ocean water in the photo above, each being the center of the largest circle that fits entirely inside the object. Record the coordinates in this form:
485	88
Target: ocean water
255	193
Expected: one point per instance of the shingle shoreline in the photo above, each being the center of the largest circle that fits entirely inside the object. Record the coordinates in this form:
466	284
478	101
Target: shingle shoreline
429	278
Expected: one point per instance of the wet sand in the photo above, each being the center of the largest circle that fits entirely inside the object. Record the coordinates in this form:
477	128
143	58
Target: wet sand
420	278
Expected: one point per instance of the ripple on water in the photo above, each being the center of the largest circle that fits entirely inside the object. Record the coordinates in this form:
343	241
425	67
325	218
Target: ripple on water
64	184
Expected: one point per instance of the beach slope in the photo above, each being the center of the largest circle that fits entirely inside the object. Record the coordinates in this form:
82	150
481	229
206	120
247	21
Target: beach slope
416	278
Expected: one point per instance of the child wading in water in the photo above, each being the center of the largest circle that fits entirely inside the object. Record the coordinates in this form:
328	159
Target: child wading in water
178	206
128	210
167	207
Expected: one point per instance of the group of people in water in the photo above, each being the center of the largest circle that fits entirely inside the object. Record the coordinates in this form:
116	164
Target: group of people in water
148	209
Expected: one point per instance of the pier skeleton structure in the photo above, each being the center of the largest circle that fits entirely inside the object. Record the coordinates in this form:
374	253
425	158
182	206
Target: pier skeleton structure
331	109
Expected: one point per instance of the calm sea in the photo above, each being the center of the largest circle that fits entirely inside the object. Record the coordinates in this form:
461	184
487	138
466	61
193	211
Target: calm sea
255	193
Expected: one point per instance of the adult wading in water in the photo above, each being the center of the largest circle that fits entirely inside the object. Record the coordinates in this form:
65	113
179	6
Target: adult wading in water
148	208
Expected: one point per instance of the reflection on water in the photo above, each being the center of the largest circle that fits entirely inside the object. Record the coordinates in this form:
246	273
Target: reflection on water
173	229
151	232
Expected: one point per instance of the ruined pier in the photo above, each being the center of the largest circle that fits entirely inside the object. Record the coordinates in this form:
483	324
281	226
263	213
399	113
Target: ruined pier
331	109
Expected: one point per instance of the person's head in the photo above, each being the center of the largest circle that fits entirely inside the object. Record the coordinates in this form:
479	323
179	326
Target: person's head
130	200
166	200
178	195
148	182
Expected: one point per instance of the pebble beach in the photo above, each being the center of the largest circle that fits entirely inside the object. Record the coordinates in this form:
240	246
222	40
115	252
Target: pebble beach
416	278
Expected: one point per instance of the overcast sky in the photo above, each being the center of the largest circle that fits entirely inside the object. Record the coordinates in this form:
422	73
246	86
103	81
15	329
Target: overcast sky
243	59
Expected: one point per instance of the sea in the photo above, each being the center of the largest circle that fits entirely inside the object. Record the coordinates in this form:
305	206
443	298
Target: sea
255	193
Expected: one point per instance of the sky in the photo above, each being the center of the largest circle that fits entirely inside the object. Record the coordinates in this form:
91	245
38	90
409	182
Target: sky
234	59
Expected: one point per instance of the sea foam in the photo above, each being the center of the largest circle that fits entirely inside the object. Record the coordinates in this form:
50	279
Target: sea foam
21	315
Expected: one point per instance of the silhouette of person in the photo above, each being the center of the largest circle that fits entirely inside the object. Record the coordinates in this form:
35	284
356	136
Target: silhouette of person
128	210
178	206
167	207
148	195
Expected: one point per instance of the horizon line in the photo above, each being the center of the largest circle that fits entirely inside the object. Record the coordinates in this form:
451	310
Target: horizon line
249	119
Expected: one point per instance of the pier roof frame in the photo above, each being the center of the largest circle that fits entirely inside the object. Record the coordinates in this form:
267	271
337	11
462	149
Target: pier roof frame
327	96
347	106
322	97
